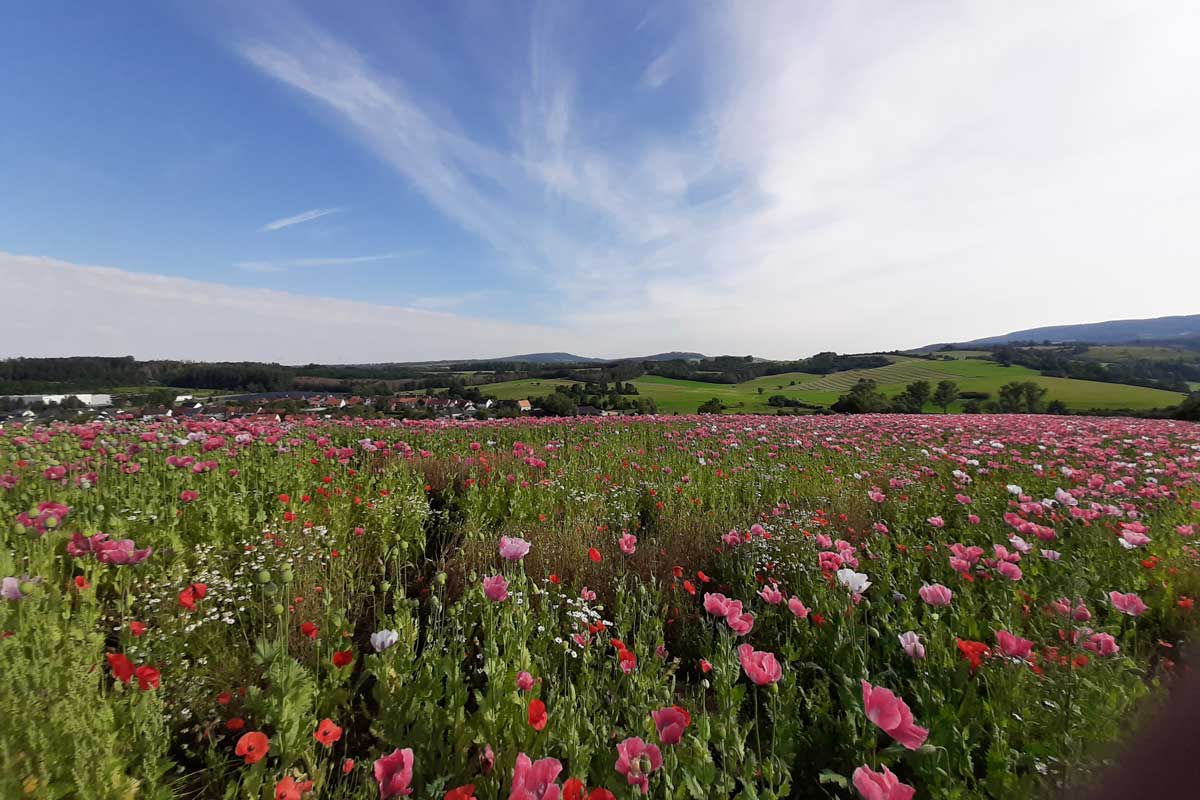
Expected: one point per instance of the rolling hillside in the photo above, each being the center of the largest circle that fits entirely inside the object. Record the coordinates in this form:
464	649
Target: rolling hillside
1118	331
971	374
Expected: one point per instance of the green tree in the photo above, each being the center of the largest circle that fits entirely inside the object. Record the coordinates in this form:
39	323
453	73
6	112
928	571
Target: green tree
912	400
945	394
863	398
1035	397
1011	398
558	404
713	406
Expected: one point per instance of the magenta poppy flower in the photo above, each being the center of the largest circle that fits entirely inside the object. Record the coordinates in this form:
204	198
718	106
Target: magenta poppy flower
1013	646
534	780
524	681
671	722
636	760
394	772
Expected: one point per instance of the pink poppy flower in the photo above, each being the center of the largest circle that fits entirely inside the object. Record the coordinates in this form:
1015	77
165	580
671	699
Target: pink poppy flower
741	624
1102	644
1129	603
760	667
534	780
772	595
393	773
671	722
717	604
892	715
1009	570
796	607
880	785
628	544
1013	646
524	681
636	760
513	548
936	595
910	642
495	588
936	522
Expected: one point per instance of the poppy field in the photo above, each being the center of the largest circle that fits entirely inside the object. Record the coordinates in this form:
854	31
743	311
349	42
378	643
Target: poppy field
881	607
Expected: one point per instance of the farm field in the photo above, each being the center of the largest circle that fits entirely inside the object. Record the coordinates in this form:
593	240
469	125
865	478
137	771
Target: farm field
523	389
677	606
676	396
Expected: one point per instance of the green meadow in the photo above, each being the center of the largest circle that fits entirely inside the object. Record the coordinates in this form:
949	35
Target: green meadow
971	374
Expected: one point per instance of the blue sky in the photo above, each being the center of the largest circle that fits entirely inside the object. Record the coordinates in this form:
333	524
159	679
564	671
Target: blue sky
382	181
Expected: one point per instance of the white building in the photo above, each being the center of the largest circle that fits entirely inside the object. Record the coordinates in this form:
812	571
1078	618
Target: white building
89	400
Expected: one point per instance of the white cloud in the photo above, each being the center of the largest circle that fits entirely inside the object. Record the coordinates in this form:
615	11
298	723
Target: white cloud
333	261
305	216
55	308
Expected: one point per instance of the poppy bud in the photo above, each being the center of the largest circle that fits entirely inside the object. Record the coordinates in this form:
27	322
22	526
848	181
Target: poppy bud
264	576
278	609
385	586
440	579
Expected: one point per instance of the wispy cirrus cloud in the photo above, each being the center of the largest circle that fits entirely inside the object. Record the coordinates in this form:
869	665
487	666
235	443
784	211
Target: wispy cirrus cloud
332	261
305	216
910	170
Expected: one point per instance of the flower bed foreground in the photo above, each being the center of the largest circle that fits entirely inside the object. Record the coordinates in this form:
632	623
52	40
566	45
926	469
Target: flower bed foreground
876	607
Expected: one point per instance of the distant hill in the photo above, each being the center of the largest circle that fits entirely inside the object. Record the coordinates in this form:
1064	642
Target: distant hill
672	356
544	358
1119	331
571	358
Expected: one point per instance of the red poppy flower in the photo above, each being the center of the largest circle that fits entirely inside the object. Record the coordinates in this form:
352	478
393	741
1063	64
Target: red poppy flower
573	789
328	732
703	578
689	587
137	628
974	652
462	793
310	630
705	666
343	658
224	698
235	723
537	714
189	596
601	794
594	555
291	789
253	746
555	579
677	572
147	678
283	498
347	766
81	583
121	666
